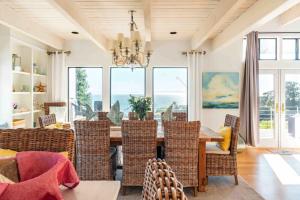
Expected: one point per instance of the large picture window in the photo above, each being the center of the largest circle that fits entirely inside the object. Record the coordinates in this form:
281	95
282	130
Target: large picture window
85	92
169	87
125	82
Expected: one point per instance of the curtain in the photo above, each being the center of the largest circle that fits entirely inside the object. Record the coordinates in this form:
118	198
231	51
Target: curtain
249	105
195	63
58	78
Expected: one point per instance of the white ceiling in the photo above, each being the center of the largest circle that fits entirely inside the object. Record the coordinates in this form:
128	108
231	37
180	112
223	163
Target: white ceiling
45	15
111	16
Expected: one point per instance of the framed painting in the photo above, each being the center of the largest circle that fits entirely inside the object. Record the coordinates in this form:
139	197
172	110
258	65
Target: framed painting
220	90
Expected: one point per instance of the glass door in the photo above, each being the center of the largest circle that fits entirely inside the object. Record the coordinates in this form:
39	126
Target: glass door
269	108
290	109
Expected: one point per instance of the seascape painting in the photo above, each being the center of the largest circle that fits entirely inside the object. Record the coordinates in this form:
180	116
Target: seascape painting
220	90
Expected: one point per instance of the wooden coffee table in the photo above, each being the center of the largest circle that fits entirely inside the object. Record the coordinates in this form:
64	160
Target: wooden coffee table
92	190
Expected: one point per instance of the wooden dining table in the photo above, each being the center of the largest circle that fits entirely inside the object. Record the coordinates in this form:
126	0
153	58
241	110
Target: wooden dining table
206	135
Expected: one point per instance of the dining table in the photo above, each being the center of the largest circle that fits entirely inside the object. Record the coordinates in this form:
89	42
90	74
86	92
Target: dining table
205	135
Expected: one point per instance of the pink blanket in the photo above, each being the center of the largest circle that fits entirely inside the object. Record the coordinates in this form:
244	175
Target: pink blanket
41	173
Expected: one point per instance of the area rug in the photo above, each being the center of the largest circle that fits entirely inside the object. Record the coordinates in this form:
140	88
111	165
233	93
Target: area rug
219	188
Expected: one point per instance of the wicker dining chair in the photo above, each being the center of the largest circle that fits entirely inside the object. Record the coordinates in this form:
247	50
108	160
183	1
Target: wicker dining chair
181	150
178	116
94	158
133	116
160	182
38	139
222	164
139	145
46	120
103	116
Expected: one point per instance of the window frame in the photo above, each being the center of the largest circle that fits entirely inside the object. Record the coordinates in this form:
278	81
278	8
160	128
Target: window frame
68	103
296	56
110	80
276	46
188	84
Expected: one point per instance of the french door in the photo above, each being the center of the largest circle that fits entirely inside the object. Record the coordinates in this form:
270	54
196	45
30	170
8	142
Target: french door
279	112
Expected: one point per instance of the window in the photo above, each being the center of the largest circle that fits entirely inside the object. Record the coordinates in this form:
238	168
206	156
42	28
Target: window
85	92
169	86
267	48
298	49
125	82
289	49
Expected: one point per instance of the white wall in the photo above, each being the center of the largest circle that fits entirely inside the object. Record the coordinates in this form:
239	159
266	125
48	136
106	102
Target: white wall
228	59
5	76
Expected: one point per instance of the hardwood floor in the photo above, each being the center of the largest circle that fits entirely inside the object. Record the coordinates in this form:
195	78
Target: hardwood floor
255	167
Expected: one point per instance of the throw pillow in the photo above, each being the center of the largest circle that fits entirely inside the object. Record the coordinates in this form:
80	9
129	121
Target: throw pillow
168	114
115	115
225	132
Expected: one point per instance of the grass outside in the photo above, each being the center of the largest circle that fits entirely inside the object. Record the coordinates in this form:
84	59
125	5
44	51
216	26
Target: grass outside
266	124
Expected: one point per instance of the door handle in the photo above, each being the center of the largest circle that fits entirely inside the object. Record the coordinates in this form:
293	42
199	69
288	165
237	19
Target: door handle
282	107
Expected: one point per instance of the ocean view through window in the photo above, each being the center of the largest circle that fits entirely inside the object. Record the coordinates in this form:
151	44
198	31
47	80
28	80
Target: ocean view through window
85	92
125	82
169	87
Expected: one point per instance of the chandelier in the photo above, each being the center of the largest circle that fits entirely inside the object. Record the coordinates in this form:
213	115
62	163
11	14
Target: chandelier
131	51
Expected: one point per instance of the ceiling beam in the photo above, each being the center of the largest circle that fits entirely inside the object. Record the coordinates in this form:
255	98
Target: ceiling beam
290	16
70	10
257	15
147	19
215	21
17	22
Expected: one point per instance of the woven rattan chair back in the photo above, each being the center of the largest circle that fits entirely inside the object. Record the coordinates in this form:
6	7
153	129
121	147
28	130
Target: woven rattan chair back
160	182
181	150
47	120
103	116
133	116
47	106
234	123
92	150
38	139
178	116
139	145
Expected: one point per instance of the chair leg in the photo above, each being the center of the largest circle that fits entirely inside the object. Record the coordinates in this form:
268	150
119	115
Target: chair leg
236	179
123	190
206	180
195	191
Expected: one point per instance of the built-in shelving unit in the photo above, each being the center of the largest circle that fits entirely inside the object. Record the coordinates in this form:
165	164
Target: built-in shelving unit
32	72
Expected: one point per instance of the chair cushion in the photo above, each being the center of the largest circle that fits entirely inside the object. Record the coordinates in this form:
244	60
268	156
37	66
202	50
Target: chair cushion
168	114
212	148
225	132
7	153
115	115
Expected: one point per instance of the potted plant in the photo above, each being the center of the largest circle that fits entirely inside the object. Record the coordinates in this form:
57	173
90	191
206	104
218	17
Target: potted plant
140	105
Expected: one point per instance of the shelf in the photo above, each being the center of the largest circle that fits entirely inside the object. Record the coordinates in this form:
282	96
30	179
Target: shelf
21	113
37	111
39	92
21	93
39	75
22	73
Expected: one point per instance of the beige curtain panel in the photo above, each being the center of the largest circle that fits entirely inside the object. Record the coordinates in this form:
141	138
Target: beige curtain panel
250	95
